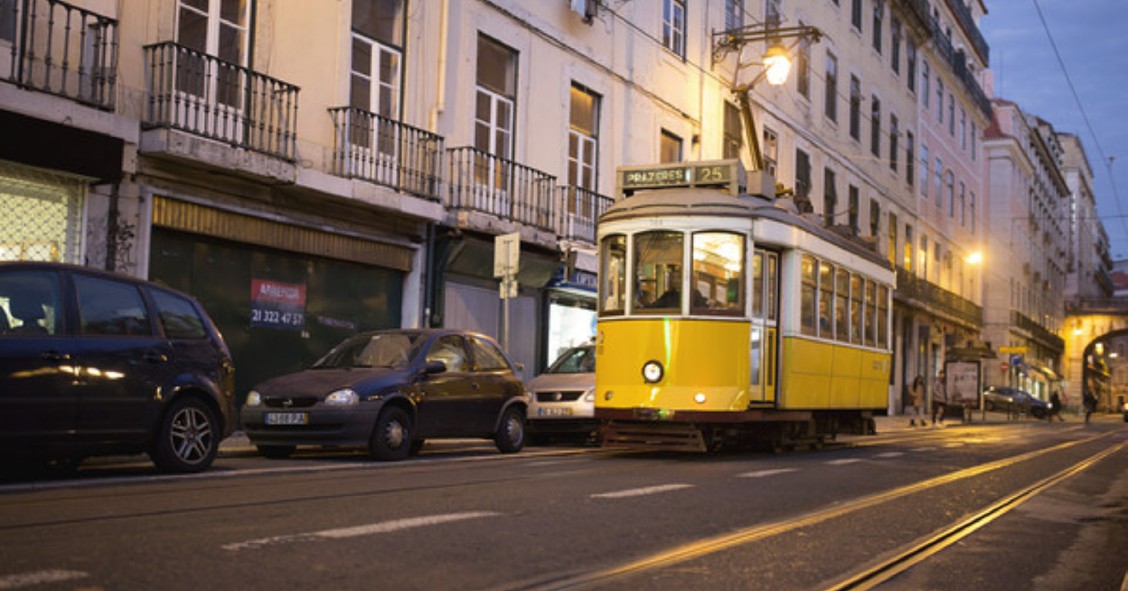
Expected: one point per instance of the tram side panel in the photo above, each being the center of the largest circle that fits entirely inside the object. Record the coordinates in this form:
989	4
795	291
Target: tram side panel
818	375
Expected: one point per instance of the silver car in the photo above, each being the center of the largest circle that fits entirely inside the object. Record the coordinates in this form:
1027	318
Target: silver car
562	399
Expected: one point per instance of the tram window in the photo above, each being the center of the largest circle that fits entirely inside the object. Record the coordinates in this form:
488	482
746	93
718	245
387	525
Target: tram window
841	305
657	272
773	284
718	274
882	316
870	313
758	284
826	299
856	309
612	274
807	292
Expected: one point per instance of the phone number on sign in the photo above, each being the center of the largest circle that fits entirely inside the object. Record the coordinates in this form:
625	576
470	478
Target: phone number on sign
277	318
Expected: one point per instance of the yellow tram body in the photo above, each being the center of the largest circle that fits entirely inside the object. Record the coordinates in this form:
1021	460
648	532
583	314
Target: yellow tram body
782	336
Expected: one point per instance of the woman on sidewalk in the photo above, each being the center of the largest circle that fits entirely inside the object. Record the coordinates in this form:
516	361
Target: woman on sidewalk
916	401
939	399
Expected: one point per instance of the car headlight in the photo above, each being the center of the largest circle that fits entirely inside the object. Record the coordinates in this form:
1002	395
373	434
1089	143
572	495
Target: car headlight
345	397
652	371
589	396
253	398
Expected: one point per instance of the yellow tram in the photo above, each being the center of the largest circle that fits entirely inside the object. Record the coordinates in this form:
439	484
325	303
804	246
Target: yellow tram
727	318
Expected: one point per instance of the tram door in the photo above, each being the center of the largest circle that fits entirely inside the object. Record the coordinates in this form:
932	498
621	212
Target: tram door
763	331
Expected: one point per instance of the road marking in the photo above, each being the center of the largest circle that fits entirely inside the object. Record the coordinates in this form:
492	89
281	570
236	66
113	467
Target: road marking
763	473
890	454
359	530
954	444
40	577
638	492
843	462
922	449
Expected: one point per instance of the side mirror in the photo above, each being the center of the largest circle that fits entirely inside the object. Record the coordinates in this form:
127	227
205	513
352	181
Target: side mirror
433	367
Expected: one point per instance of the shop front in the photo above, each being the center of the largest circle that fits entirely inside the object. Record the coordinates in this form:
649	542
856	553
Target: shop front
281	294
571	311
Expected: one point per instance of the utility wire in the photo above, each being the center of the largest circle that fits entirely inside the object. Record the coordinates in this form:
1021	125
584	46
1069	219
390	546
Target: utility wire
1085	116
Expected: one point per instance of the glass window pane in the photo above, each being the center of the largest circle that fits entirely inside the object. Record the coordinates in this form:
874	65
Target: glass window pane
109	307
29	303
451	351
612	274
758	284
718	274
178	316
496	68
487	357
826	296
856	316
773	285
807	291
870	314
842	306
379	19
882	316
657	274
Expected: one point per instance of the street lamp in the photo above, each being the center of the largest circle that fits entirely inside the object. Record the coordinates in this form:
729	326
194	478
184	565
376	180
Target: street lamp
776	63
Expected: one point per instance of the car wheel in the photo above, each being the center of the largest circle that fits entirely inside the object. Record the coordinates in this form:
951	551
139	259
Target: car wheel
391	439
276	452
510	435
1038	413
187	438
989	406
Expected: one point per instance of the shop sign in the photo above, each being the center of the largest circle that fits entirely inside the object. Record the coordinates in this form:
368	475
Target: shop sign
277	305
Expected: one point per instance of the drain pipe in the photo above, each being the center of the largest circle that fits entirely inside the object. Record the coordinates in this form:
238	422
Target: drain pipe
112	221
440	100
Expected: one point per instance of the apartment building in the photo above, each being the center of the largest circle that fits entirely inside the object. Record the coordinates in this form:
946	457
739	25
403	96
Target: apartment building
1029	229
1089	269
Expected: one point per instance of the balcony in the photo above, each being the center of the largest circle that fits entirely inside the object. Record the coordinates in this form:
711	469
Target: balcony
386	152
484	183
579	210
963	15
936	299
958	63
62	50
1038	332
202	95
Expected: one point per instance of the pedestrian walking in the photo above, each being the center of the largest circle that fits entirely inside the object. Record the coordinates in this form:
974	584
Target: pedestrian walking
1055	407
939	399
1090	403
916	401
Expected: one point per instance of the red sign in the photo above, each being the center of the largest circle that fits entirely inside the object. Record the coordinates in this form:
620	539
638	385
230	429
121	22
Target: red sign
277	305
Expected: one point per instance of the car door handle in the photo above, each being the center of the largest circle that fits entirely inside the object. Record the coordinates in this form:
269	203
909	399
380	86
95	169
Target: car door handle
53	355
156	357
475	386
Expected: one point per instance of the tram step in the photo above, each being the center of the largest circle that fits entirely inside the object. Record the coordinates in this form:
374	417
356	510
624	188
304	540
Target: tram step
653	436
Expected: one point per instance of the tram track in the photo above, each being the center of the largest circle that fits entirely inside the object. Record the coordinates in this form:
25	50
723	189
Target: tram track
871	575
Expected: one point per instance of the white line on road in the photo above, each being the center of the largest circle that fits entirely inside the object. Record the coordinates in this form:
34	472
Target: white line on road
360	530
40	577
890	454
638	492
843	462
763	473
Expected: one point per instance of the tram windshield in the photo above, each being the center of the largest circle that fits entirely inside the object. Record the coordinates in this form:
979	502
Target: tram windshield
716	282
657	272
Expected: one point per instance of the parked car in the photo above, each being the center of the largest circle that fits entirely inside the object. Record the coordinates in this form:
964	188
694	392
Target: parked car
389	391
1013	400
96	363
562	399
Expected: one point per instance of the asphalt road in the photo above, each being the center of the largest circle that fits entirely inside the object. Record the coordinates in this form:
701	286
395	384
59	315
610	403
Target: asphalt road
462	516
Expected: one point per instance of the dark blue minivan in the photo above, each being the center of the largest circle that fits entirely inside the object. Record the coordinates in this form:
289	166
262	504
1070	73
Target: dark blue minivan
97	363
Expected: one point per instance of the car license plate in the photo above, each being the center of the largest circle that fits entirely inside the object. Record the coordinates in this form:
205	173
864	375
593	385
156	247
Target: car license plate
554	412
286	418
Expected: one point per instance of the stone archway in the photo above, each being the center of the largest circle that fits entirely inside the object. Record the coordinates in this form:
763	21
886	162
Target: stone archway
1096	346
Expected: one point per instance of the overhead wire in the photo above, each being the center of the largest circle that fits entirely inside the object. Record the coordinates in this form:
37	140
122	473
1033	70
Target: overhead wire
1084	116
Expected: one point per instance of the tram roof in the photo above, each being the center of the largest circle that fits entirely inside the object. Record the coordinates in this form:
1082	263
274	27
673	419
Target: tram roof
715	203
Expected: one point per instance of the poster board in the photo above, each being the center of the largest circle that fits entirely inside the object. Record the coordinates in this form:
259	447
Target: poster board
963	381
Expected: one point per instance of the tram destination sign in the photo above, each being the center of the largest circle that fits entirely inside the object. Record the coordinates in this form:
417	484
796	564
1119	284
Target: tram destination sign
717	173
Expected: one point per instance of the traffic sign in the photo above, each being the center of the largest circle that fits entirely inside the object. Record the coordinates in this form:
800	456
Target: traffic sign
507	251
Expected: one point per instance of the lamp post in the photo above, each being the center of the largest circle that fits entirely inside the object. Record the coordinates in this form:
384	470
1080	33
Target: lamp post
776	63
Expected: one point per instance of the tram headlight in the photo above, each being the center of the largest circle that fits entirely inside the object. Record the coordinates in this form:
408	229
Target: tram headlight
652	371
699	398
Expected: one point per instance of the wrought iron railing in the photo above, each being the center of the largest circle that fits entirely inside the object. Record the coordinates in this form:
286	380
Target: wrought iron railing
386	152
963	14
1083	305
480	181
1039	332
62	49
934	297
197	93
578	211
958	63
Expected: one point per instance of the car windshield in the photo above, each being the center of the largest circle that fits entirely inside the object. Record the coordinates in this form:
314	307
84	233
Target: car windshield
575	360
393	350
